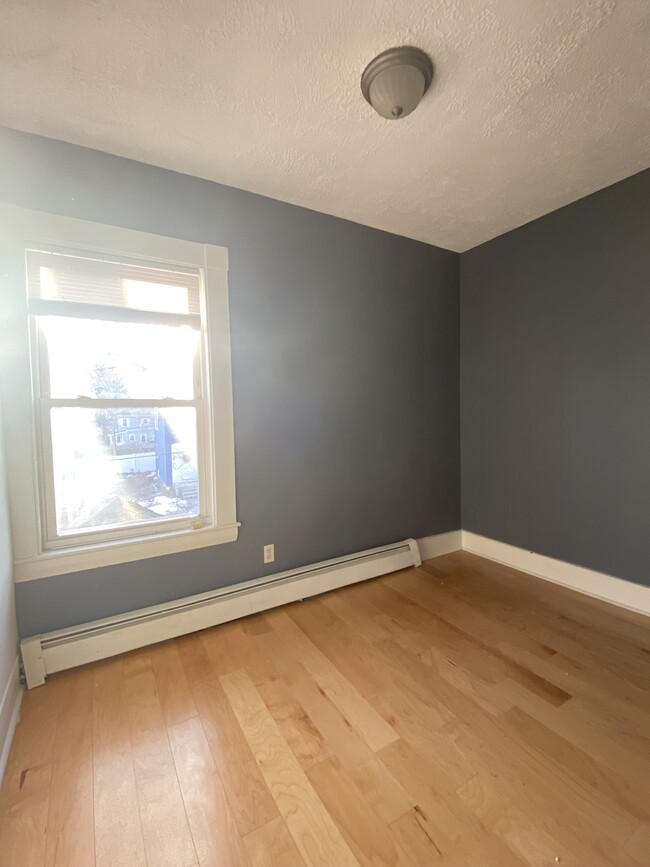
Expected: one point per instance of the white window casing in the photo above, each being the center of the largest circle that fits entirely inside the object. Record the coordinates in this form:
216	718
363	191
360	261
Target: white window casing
36	553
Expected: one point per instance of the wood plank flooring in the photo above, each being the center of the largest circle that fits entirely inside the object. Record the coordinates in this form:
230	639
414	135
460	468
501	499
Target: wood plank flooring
457	714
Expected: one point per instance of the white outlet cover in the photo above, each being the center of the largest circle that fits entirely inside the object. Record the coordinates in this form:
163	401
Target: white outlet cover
269	553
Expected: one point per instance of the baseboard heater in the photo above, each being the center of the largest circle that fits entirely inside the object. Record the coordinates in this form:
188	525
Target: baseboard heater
66	648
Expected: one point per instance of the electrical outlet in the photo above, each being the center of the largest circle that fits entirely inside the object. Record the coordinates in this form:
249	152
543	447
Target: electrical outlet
269	553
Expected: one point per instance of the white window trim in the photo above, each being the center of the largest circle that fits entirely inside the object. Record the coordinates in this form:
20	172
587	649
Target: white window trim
22	228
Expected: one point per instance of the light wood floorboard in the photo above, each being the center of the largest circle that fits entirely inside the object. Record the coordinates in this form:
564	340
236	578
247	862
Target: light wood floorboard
460	714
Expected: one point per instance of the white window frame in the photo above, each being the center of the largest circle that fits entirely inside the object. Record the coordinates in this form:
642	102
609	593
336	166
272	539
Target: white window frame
34	556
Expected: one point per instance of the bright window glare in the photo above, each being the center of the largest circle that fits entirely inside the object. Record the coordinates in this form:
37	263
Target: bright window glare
103	480
97	358
156	296
49	288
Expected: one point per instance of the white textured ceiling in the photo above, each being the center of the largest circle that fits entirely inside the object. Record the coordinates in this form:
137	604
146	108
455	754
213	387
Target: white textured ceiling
535	103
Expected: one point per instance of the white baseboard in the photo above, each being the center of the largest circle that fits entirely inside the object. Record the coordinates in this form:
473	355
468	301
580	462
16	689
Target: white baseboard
442	543
67	648
9	713
626	594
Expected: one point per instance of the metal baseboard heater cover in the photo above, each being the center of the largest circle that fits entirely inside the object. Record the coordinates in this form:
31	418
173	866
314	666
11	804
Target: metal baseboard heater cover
66	648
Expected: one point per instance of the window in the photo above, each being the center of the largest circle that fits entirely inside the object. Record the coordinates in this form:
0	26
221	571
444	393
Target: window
118	341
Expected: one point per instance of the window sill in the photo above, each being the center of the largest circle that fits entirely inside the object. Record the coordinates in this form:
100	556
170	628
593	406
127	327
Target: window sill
67	560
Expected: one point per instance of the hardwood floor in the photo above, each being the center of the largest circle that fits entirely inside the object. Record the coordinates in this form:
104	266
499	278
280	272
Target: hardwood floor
457	714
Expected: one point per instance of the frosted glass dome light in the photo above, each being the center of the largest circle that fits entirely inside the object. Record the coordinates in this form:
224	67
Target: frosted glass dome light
396	80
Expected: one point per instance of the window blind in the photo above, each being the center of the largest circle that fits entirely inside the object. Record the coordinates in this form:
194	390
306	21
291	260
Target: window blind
71	278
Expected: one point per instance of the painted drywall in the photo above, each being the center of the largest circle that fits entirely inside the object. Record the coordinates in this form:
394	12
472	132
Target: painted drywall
345	354
555	384
8	633
533	104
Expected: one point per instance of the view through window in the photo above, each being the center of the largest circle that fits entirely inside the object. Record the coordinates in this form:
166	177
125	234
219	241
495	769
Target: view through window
119	370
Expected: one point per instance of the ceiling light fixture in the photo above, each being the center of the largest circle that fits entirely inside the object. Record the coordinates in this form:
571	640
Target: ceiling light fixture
396	80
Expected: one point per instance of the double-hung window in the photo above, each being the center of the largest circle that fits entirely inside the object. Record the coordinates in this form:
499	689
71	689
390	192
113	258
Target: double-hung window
131	409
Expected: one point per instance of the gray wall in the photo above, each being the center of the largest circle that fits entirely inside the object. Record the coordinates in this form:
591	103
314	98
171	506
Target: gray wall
345	374
555	383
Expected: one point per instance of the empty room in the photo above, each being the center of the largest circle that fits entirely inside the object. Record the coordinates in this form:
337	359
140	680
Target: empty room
324	433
